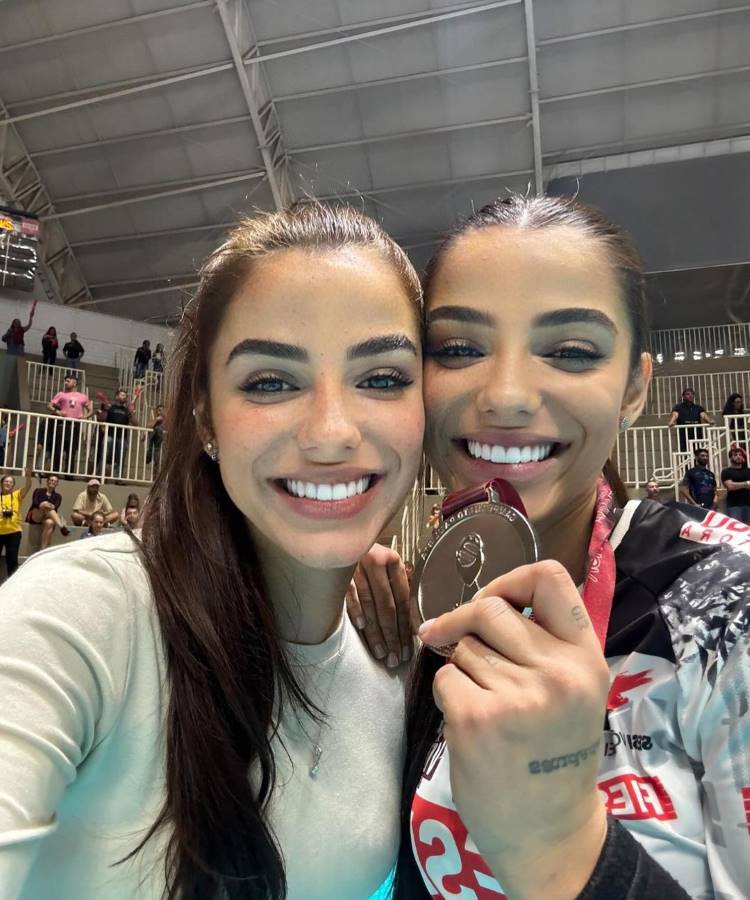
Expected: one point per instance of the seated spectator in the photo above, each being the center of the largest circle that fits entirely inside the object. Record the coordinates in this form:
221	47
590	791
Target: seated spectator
653	491
91	501
158	358
96	526
44	511
688	412
698	487
156	438
49	346
736	479
131	513
73	352
11	528
735	406
141	360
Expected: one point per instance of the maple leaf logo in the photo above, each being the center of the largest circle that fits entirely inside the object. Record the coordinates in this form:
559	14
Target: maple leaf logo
623	683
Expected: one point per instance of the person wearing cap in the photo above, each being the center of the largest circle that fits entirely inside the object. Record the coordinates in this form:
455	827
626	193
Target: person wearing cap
91	501
736	480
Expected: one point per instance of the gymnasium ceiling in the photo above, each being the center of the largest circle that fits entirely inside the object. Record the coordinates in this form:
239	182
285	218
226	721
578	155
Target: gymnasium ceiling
140	129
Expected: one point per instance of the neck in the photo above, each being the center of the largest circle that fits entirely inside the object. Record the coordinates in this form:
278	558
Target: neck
308	602
567	538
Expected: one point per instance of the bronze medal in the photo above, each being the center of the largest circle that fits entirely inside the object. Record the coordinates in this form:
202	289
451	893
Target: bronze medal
473	545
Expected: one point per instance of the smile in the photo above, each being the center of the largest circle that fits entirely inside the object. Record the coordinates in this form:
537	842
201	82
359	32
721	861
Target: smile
510	455
327	492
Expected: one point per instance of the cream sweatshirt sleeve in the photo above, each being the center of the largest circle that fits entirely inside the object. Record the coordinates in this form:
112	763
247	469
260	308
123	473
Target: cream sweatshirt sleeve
66	626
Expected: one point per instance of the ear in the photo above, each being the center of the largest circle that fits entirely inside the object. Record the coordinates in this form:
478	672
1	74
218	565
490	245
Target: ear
637	390
203	422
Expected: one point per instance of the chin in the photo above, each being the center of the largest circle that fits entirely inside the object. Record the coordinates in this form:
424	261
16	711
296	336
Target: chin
330	553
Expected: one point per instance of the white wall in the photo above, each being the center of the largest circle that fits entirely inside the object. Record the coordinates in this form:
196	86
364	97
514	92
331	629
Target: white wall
101	335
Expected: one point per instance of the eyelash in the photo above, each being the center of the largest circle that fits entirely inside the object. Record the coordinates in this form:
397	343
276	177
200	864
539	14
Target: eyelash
457	350
259	384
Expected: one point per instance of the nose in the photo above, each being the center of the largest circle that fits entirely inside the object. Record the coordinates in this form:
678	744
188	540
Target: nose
509	394
328	432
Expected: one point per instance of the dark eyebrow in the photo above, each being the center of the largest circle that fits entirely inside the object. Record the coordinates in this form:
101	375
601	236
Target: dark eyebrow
384	344
462	314
268	348
575	315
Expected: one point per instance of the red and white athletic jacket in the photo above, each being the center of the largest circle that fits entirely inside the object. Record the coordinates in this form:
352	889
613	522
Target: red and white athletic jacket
675	765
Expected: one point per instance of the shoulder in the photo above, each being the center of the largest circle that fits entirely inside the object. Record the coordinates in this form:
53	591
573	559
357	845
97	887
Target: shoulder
85	581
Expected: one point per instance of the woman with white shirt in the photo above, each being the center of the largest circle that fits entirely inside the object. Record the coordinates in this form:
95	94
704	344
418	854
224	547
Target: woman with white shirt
177	714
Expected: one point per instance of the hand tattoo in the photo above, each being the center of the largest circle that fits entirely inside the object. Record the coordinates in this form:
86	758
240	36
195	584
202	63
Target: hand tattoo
543	766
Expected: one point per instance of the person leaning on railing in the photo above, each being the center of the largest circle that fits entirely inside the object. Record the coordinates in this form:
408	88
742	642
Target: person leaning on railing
688	412
73	405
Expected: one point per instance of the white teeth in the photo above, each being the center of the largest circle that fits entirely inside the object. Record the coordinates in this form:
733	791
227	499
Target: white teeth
498	454
509	455
326	492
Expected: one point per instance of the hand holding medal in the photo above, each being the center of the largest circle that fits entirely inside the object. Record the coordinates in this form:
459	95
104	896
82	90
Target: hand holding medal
523	701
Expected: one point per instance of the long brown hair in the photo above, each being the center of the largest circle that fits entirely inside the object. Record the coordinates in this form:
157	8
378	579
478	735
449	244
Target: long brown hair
423	717
228	676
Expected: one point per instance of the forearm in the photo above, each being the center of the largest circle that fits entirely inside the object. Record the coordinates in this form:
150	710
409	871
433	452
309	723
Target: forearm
737	485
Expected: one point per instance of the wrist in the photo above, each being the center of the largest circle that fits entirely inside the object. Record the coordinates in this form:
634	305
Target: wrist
554	869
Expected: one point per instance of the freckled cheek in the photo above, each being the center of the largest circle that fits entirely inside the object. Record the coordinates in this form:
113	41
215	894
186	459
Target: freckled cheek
245	430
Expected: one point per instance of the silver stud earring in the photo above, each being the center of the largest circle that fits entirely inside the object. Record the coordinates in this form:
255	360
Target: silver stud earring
624	423
213	451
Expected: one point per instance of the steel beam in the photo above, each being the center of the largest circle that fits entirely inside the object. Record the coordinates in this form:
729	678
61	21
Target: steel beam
405	135
254	60
641	85
139	136
256	94
637	26
151	235
96	301
155	195
536	127
145	279
58	268
104	26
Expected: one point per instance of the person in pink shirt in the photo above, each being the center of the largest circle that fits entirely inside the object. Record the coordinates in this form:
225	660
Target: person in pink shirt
73	406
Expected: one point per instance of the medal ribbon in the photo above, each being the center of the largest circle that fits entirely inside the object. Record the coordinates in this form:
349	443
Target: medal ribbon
599	586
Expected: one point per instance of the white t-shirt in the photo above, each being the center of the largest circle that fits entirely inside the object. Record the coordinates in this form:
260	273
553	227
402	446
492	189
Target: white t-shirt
82	707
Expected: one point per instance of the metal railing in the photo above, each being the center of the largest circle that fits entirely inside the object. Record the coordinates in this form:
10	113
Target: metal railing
702	342
45	381
151	383
78	448
711	390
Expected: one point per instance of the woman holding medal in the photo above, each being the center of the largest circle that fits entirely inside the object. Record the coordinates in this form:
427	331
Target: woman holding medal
535	358
176	716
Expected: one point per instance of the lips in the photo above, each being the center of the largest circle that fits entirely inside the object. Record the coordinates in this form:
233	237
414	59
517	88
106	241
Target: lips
340	496
510	454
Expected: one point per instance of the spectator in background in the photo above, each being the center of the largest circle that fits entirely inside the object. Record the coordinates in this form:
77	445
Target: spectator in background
44	511
736	479
156	438
118	412
64	438
49	346
688	412
73	352
433	522
96	526
141	360
91	501
10	518
699	484
735	406
653	491
14	336
131	513
158	358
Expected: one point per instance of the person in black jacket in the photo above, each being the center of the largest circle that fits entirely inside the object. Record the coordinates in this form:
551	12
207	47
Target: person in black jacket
538	765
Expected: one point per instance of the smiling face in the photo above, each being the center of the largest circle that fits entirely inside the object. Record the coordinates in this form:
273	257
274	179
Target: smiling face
52	482
315	402
7	484
528	365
